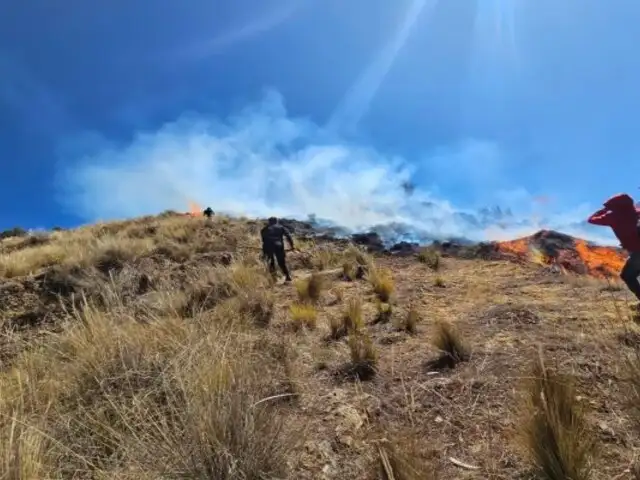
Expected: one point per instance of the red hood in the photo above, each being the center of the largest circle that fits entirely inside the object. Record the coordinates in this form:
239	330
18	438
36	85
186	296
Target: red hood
621	201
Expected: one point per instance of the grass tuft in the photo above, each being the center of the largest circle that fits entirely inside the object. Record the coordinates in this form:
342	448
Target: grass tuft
385	311
430	257
310	289
409	323
400	458
303	315
382	282
555	432
439	282
452	346
363	355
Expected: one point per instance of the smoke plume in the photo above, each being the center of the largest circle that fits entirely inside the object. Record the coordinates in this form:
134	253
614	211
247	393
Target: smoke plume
261	162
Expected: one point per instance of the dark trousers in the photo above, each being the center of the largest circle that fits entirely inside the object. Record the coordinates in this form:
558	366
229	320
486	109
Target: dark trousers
273	254
630	273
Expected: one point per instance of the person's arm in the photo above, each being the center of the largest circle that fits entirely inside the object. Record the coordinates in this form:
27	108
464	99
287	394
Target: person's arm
287	235
602	217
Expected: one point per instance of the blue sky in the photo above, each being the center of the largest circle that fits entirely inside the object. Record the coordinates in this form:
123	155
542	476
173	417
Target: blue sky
114	109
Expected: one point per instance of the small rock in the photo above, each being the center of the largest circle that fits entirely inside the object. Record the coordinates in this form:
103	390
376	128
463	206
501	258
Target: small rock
352	420
346	440
606	431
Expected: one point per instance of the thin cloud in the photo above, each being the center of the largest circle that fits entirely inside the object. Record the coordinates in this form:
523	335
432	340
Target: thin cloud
359	96
256	26
262	162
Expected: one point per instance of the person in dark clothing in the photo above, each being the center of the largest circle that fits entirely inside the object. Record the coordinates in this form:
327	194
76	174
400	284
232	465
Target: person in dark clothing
273	235
621	214
208	213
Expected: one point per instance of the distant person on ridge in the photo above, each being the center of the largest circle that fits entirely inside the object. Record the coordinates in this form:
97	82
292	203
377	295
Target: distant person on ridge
273	235
208	213
623	217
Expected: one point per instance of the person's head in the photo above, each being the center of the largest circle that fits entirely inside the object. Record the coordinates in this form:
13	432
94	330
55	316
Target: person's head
621	201
273	220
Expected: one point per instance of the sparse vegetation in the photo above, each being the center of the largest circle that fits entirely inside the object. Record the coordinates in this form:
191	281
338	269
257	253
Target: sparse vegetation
352	319
350	270
385	310
363	355
303	315
401	458
160	347
439	282
310	289
555	430
13	232
382	282
409	322
452	346
430	257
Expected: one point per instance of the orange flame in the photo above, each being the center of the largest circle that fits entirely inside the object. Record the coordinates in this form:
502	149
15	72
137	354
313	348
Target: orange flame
600	262
195	210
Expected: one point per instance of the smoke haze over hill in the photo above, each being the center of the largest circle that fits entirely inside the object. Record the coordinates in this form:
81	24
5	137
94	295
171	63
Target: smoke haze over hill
262	162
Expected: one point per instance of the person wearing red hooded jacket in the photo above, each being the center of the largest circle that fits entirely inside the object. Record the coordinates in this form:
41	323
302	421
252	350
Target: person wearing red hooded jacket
621	214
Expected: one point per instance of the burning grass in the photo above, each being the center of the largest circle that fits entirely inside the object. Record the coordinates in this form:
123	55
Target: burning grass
571	254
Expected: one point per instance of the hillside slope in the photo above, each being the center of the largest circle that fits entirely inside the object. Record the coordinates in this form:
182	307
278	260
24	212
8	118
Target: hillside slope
161	348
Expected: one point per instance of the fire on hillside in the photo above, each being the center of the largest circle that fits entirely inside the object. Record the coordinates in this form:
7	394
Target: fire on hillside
570	254
195	210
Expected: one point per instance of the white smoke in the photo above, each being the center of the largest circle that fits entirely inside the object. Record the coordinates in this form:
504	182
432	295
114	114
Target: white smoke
261	162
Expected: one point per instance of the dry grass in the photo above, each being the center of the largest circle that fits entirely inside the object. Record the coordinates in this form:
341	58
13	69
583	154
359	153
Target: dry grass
310	289
303	315
385	311
351	320
382	282
555	430
112	395
409	322
350	270
430	257
452	346
181	362
363	355
439	282
400	458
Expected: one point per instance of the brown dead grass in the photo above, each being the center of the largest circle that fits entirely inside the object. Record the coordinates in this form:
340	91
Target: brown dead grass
310	289
382	282
303	315
555	430
162	348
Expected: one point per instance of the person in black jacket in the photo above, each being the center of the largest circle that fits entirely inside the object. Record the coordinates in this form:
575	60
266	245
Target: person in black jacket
273	235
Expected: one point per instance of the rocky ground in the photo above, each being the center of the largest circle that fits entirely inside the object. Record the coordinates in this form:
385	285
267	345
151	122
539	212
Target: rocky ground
93	319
